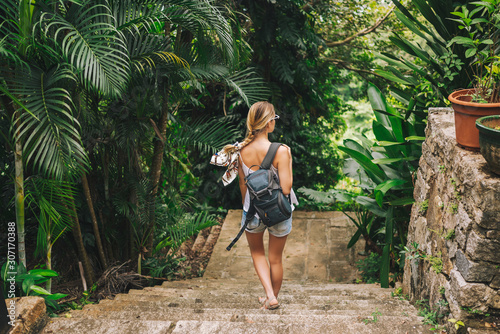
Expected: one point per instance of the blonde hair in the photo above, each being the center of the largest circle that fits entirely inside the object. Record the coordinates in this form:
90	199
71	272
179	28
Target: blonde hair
259	115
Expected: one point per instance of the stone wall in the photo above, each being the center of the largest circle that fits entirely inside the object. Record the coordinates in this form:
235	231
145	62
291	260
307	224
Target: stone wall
456	221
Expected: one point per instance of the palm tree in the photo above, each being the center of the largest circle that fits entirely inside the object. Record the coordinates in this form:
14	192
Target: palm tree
70	66
52	200
40	74
174	47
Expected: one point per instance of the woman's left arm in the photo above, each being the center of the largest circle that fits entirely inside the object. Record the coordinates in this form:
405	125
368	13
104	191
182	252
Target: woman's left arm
284	164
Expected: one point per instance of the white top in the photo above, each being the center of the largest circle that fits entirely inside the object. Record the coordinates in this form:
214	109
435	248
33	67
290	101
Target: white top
246	171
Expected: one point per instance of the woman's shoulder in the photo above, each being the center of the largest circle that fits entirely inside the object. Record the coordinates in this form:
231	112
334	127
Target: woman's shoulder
284	150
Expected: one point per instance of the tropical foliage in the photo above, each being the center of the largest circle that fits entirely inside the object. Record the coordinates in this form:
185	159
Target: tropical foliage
92	93
110	110
384	170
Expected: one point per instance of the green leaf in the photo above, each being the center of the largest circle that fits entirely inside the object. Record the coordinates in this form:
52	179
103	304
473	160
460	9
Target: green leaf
43	272
393	61
371	169
382	189
385	161
55	296
385	186
419	138
402	201
27	285
462	40
371	205
479	20
354	238
470	52
389	143
392	77
39	290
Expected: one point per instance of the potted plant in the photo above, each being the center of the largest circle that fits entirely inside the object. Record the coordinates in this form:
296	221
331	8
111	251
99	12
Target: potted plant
483	33
489	141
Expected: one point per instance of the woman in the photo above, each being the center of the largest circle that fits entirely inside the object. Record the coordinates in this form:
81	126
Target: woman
261	121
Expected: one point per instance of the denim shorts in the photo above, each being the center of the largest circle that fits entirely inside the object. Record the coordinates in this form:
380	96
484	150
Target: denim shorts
256	226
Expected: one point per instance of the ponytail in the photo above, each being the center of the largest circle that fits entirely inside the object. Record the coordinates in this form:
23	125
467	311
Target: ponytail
259	115
231	148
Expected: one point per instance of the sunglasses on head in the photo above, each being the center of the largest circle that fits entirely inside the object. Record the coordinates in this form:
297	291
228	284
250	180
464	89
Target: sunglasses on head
275	117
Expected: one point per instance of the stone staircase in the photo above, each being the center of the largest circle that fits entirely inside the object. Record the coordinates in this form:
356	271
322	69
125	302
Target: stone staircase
314	298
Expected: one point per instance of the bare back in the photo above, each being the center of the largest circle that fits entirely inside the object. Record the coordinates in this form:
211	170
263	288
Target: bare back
254	153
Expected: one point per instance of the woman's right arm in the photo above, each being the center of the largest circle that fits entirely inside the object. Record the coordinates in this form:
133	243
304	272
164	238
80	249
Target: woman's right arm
241	177
284	157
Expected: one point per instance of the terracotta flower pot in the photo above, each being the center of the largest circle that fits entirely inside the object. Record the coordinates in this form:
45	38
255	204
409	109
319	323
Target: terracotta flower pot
466	114
489	141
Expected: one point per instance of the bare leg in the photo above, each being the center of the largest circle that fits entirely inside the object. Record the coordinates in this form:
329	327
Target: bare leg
256	243
276	246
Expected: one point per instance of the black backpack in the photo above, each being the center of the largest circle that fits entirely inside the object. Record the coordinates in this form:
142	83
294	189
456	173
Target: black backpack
266	197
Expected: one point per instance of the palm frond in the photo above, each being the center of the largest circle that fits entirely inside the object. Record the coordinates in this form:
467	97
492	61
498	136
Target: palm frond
206	135
50	133
8	55
205	20
53	199
249	85
91	43
132	15
147	50
9	16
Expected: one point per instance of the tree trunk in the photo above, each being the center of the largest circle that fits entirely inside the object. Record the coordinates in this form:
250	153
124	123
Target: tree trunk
82	253
19	188
95	227
155	171
48	262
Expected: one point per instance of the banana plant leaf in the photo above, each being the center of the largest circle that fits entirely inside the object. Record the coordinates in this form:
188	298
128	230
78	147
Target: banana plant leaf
373	171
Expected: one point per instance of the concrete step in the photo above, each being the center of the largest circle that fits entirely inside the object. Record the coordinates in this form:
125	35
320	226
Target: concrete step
285	296
225	300
256	288
106	326
383	325
216	314
265	322
255	284
207	299
149	309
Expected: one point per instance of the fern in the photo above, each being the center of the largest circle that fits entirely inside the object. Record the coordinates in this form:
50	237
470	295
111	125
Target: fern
319	196
187	226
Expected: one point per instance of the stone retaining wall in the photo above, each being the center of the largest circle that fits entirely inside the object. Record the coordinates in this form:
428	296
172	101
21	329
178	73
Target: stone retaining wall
456	221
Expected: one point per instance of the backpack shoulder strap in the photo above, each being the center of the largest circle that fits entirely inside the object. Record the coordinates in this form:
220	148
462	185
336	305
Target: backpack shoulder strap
271	153
250	214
